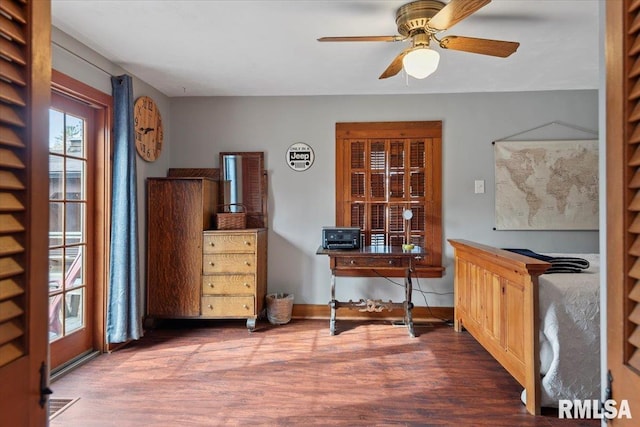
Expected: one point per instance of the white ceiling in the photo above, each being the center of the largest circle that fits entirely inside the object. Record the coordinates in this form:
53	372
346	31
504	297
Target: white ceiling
269	47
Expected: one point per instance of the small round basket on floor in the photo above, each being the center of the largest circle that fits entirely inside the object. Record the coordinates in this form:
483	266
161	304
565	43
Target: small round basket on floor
279	307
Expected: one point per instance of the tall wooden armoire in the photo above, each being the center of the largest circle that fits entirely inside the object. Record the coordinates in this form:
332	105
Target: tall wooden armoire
178	211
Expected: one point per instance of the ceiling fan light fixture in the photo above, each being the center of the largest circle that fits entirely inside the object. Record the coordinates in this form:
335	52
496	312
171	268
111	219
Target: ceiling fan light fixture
421	62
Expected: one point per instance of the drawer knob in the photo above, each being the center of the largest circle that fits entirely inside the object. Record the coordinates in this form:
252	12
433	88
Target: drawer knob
211	285
247	263
245	306
210	307
211	263
211	244
390	262
246	242
247	285
353	261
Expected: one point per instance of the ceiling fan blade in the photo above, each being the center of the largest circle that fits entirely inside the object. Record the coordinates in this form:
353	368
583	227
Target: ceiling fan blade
362	39
454	12
395	66
482	46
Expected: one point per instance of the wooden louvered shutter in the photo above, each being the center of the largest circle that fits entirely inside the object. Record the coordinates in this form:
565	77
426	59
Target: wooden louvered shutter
251	183
13	187
632	288
25	78
623	203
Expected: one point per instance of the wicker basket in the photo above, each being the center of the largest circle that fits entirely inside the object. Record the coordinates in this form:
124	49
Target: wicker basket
231	220
279	308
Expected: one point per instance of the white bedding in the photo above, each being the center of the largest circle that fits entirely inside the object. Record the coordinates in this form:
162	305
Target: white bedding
569	307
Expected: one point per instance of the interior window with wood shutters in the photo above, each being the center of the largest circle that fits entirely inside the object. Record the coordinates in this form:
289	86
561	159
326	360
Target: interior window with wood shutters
383	169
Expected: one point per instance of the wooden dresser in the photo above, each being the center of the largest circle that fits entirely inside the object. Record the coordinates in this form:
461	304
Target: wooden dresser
234	274
192	270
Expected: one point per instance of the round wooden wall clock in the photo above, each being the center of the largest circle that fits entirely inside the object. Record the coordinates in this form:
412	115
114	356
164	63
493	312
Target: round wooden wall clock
148	128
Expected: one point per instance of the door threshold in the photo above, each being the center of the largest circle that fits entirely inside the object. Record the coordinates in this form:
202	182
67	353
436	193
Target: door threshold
74	363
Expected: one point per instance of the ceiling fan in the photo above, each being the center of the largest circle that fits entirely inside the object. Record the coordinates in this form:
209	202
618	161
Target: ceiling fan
420	22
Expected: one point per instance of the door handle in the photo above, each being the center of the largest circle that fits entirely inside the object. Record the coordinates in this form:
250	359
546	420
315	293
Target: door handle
45	391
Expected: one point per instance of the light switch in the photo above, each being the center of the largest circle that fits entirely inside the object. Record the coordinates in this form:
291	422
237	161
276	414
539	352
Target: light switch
479	186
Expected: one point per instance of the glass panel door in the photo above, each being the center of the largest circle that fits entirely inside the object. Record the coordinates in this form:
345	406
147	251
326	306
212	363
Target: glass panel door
71	241
67	220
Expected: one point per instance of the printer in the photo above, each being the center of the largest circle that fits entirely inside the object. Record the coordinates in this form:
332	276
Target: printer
340	237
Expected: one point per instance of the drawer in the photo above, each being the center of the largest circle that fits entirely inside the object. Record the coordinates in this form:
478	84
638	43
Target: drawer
229	284
221	242
371	262
228	263
236	306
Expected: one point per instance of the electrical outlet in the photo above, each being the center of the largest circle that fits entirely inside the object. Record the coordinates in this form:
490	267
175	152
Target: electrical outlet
479	186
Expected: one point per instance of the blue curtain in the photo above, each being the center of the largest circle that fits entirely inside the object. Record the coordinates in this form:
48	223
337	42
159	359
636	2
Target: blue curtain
124	321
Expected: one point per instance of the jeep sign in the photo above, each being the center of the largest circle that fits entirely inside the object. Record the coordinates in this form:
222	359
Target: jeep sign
300	156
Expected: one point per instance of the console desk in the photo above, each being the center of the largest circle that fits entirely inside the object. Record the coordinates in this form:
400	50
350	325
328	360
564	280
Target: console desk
378	259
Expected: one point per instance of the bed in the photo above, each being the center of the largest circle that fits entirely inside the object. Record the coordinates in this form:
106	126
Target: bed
544	329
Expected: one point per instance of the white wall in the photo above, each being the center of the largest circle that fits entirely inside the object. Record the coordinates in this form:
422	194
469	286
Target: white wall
300	203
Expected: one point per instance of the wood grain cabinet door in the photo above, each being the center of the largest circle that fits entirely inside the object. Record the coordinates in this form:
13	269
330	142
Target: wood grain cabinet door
178	209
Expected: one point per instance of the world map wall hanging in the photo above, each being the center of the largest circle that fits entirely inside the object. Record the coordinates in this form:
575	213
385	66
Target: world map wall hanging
546	185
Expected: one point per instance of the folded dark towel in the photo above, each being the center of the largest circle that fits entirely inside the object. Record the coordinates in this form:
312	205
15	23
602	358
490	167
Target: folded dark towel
554	269
561	264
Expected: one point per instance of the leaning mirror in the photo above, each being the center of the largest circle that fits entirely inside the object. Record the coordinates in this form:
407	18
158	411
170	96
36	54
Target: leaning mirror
244	185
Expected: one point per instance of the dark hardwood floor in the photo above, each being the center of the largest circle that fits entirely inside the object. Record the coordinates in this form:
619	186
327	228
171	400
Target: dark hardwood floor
196	373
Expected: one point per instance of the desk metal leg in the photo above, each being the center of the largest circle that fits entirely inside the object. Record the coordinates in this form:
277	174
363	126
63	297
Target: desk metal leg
333	303
408	287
